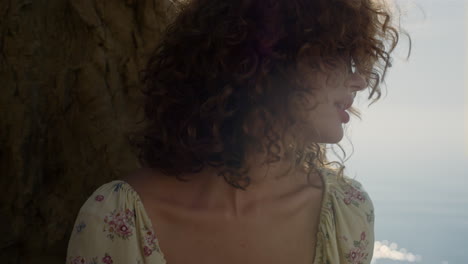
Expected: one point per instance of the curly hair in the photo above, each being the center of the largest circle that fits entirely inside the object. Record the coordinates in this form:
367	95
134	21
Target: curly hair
220	63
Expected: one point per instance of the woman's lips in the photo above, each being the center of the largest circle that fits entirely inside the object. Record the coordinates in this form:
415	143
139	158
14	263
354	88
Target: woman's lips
343	114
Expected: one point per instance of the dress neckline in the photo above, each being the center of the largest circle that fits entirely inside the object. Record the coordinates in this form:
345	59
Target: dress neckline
317	235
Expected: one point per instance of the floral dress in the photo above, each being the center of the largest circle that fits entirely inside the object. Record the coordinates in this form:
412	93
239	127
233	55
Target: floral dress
112	226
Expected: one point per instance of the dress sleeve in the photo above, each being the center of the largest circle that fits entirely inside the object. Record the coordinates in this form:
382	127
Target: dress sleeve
346	231
112	227
354	213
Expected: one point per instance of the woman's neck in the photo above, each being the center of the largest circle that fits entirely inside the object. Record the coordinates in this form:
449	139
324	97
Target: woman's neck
207	191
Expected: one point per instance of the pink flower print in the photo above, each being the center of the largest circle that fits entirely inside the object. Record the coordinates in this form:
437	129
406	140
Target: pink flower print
107	259
347	200
124	230
356	256
149	240
78	260
147	251
99	197
119	223
150	237
354	196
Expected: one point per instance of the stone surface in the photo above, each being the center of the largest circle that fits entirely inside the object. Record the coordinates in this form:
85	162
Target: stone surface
69	93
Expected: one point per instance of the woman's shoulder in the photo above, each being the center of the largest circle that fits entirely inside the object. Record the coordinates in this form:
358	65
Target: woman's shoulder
110	195
342	183
139	180
112	201
113	225
347	224
346	190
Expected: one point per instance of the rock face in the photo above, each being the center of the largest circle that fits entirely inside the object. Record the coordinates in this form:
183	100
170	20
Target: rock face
69	94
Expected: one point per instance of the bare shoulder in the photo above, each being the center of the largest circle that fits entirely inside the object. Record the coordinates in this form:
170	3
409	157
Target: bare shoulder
142	178
158	192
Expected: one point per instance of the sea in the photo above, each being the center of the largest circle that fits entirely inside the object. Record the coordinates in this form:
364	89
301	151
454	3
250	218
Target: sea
421	208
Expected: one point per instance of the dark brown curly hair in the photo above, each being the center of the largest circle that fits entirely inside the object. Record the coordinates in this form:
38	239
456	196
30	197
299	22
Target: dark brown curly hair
222	62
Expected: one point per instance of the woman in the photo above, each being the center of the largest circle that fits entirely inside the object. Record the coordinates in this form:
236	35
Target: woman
249	90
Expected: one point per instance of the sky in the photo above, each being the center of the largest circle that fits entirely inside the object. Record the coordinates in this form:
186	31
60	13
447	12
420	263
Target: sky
410	150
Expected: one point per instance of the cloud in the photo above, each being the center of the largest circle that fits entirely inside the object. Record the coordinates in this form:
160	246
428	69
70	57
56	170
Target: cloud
386	250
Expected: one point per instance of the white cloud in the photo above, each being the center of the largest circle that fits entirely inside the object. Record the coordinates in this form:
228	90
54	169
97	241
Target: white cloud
386	250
